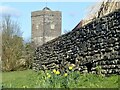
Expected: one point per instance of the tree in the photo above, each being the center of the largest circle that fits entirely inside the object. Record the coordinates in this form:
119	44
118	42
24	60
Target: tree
0	46
29	54
12	44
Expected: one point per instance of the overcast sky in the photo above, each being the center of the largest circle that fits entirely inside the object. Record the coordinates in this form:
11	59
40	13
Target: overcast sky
72	13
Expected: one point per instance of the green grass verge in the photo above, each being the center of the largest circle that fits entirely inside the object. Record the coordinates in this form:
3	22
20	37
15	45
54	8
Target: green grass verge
31	79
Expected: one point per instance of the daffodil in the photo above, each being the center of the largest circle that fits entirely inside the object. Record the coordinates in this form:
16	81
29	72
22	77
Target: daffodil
57	72
65	74
70	67
49	76
24	86
54	70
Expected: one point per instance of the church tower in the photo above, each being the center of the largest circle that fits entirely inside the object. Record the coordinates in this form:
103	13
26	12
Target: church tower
46	25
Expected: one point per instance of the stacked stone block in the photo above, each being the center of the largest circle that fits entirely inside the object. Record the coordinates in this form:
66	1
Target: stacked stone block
95	44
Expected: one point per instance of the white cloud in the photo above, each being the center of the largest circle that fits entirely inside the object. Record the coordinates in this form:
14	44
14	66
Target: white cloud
7	10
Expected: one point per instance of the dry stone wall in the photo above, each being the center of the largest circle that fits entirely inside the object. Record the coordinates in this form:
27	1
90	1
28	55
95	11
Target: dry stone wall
95	44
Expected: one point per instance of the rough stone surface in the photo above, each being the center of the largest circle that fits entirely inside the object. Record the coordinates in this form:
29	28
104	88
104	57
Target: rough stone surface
46	25
95	44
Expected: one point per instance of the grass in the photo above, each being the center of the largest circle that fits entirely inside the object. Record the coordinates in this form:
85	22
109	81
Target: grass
31	79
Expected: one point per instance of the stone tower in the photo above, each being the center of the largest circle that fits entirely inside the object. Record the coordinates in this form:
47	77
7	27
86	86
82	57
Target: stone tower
46	25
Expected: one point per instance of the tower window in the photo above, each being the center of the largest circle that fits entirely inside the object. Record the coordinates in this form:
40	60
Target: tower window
52	26
37	26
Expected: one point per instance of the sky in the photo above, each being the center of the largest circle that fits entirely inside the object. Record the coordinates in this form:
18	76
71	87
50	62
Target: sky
72	13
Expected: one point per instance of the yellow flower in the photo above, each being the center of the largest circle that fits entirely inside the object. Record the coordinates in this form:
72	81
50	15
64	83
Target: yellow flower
54	70
49	76
24	86
57	72
70	67
65	74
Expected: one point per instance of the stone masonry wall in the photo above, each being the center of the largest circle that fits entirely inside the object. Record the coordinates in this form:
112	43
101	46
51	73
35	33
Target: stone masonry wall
95	44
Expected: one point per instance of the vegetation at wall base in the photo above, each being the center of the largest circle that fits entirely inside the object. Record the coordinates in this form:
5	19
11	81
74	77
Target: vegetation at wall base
48	79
